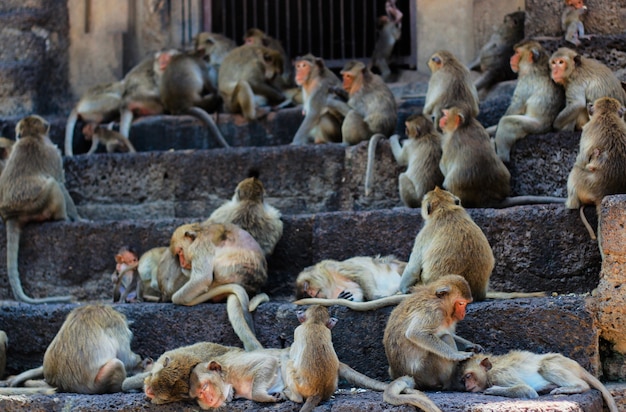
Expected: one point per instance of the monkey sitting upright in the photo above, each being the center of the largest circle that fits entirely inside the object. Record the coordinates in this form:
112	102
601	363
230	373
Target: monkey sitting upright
571	21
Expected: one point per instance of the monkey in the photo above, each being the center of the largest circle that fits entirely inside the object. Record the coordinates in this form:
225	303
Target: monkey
257	37
213	47
322	123
372	106
493	58
114	141
450	84
170	276
598	169
571	21
126	280
245	79
32	189
521	374
436	252
389	32
421	153
249	210
392	394
148	267
585	80
4	345
419	338
186	89
6	145
536	101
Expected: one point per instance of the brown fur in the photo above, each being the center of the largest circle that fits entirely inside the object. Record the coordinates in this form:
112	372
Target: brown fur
257	37
571	21
148	269
112	140
585	80
126	278
249	210
213	46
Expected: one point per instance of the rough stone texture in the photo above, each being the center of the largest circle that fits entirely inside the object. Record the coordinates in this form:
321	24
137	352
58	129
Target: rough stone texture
543	17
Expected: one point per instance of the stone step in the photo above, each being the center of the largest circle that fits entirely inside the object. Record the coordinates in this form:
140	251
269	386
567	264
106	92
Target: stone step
538	247
561	324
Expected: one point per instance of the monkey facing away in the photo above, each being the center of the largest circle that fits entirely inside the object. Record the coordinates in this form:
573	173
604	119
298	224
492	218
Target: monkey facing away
249	210
112	140
32	189
213	47
148	269
521	374
585	80
571	21
536	101
389	32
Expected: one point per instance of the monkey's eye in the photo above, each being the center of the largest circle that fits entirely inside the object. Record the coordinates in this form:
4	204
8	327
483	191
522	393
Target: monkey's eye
467	376
457	201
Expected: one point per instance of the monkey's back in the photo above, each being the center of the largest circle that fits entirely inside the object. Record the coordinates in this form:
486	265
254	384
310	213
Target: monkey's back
316	365
182	83
376	103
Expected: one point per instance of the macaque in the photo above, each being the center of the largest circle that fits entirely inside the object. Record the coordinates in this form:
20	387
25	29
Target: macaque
521	374
32	189
170	276
257	37
186	89
322	121
371	103
450	85
420	339
148	267
313	366
571	21
389	32
249	210
245	79
585	80
6	145
126	283
421	153
213	47
99	104
114	141
252	375
599	167
220	260
351	282
493	58
536	102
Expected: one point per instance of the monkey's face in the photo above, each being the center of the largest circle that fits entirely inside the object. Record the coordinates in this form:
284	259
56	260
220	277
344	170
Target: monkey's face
208	387
475	374
435	63
303	70
559	66
515	59
125	260
348	79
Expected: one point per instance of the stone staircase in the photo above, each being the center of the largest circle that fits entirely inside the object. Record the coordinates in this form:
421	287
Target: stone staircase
139	199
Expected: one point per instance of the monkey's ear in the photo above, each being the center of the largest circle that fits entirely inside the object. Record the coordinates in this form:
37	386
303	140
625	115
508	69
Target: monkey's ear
429	208
191	234
621	111
442	291
591	109
535	54
214	366
457	201
306	285
436	59
577	60
486	364
166	361
331	323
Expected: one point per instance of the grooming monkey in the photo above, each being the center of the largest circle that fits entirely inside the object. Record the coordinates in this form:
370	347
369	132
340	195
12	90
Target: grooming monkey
213	47
421	153
585	80
372	106
493	58
112	140
521	374
536	101
259	38
249	210
571	21
322	123
126	279
389	32
450	85
245	79
32	189
313	366
186	89
599	167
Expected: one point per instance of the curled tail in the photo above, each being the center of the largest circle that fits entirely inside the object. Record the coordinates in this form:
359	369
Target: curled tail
371	155
208	121
311	403
360	380
393	395
69	132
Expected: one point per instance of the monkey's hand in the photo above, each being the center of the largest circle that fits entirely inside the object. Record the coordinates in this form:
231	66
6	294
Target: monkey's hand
345	295
339	92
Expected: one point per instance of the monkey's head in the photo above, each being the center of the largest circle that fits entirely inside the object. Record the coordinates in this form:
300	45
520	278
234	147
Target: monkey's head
316	281
32	126
317	314
306	66
577	4
528	52
180	241
250	190
563	62
354	73
439	59
168	380
126	257
418	125
474	373
272	62
606	105
438	199
455	293
452	119
256	37
207	385
514	22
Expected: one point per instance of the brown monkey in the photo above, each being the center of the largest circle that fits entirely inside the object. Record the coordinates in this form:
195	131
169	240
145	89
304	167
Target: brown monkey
371	103
257	37
148	268
536	101
419	337
186	89
521	374
170	276
126	280
421	153
493	58
450	85
32	189
571	21
598	170
213	47
249	210
245	79
6	145
322	122
313	366
585	80
389	32
114	141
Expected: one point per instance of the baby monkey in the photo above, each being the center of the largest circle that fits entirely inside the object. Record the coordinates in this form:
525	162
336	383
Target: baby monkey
112	140
126	281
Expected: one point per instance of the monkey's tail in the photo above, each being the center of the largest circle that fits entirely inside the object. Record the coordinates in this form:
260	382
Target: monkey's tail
371	155
209	122
240	323
595	383
513	295
411	396
27	391
358	306
69	132
360	380
311	403
586	223
35	373
257	300
529	200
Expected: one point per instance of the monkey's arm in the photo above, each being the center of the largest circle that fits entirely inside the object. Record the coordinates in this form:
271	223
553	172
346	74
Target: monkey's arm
338	105
413	271
432	343
311	119
576	102
397	151
465	345
94	145
267	90
198	284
